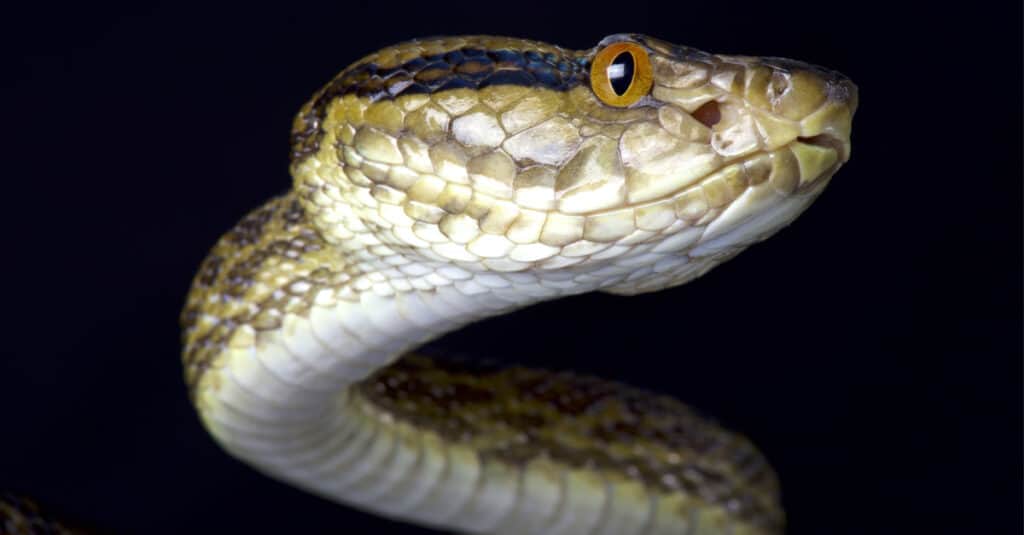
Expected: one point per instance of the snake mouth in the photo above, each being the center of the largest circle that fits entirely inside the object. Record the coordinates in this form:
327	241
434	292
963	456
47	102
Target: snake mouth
823	147
828	141
772	185
795	167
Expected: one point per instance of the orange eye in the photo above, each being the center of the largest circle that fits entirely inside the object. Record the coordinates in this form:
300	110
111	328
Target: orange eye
621	74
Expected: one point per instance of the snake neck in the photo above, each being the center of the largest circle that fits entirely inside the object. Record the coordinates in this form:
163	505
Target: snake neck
281	367
349	304
289	340
324	314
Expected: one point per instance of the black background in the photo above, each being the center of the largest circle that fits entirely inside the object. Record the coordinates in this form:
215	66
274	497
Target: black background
872	350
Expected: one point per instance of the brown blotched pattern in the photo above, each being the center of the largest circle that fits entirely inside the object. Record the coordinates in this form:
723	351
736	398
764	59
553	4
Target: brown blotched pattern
269	265
517	415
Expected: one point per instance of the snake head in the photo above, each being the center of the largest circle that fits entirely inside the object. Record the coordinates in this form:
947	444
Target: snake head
630	167
740	146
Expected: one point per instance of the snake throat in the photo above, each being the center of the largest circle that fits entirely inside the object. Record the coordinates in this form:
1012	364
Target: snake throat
443	181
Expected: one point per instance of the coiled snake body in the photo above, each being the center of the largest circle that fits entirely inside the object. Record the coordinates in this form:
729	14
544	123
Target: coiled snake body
442	181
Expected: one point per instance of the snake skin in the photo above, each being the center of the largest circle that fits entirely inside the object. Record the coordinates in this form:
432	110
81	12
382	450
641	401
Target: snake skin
442	181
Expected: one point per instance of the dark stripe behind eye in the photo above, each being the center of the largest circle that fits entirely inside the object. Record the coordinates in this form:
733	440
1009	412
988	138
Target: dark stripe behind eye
464	68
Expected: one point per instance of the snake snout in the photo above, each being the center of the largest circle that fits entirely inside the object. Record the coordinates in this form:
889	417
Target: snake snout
821	102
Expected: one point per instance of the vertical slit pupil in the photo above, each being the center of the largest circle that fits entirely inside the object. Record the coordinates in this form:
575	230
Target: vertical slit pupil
620	73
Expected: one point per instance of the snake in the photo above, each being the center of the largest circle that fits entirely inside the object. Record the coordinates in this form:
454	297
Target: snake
442	181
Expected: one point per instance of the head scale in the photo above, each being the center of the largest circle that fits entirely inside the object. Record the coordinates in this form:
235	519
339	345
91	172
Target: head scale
509	155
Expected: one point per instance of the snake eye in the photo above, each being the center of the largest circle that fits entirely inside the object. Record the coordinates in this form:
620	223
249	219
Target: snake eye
621	74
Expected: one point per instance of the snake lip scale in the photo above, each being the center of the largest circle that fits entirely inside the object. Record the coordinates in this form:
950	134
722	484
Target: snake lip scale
442	181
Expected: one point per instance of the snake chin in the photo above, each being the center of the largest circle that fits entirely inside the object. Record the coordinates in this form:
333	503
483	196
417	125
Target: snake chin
756	217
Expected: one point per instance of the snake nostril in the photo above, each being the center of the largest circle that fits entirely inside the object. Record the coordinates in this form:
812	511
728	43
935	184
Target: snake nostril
708	114
778	86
